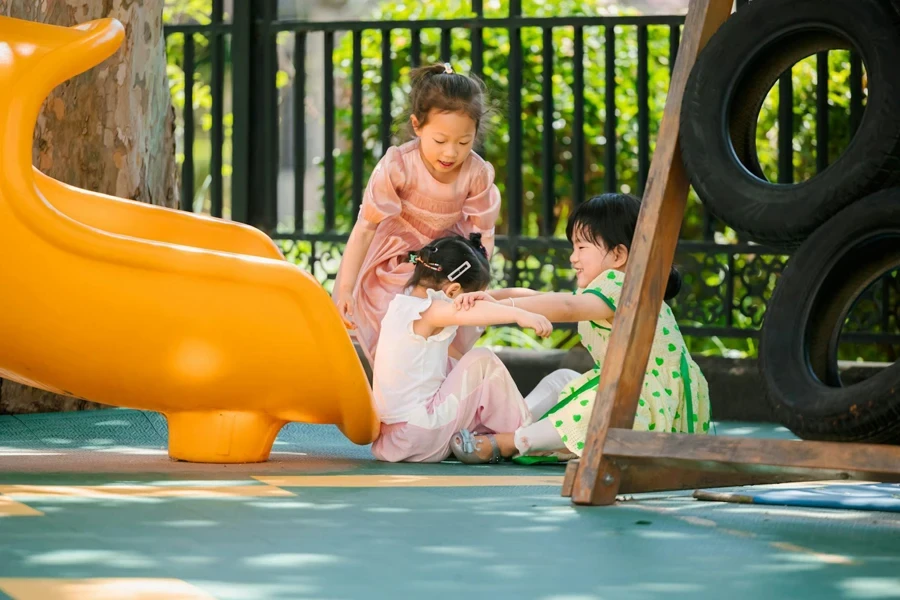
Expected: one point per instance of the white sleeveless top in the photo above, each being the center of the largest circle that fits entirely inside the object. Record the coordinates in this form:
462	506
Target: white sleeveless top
409	369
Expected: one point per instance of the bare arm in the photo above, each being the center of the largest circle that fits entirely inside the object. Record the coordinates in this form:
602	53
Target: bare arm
488	243
445	314
566	308
357	246
504	293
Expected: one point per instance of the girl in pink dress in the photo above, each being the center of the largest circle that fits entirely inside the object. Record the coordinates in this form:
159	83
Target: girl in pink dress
427	188
423	396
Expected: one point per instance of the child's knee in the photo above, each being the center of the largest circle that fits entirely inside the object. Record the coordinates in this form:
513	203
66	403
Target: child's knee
565	375
479	356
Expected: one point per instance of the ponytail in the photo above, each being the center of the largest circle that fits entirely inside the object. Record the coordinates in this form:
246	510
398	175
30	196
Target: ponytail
673	285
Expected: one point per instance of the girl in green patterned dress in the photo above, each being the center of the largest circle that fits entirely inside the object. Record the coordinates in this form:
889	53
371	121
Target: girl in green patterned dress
675	396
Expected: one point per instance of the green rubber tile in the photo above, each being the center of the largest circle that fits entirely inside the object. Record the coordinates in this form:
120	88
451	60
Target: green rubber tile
96	429
439	543
158	421
752	430
14	433
318	440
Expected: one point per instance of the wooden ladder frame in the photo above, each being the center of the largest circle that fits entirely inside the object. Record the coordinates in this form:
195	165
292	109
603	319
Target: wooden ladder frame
617	459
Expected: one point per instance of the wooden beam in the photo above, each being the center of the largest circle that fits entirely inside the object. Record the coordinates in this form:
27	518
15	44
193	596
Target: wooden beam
830	460
651	477
650	461
652	252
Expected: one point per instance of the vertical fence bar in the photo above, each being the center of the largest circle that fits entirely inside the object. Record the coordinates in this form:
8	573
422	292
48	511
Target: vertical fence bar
446	43
357	132
387	76
547	135
856	91
514	152
187	168
609	129
709	224
242	44
478	40
266	59
729	292
255	105
415	48
786	128
514	182
822	76
299	129
477	37
643	95
674	43
578	121
217	85
329	199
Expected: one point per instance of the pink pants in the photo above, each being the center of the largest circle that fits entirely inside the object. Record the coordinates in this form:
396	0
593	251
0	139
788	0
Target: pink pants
480	395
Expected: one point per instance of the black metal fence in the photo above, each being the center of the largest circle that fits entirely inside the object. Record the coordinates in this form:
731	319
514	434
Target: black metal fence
726	284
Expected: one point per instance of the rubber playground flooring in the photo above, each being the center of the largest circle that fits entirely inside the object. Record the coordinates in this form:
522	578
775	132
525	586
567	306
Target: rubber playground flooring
91	507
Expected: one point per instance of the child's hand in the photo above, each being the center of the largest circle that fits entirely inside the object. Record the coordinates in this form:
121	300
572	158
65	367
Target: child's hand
539	323
345	309
467	301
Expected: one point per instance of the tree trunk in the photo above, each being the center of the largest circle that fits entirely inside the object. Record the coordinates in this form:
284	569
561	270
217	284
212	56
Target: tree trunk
110	130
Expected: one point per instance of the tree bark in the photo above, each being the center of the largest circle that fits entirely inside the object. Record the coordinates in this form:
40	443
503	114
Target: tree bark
110	130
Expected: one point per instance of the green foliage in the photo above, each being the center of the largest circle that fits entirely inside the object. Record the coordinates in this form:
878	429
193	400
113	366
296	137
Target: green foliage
496	72
757	273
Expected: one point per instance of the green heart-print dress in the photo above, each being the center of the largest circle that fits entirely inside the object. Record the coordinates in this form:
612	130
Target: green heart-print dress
675	395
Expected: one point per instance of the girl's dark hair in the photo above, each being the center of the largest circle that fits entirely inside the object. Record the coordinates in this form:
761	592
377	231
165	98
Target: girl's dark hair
442	257
435	89
610	220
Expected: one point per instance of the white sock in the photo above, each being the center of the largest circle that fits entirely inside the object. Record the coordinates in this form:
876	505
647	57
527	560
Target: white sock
538	437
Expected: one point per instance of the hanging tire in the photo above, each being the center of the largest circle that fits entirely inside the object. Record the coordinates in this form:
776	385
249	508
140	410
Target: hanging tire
728	86
801	330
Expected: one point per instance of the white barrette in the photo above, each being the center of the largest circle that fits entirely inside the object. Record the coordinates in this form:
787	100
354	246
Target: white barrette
458	271
448	68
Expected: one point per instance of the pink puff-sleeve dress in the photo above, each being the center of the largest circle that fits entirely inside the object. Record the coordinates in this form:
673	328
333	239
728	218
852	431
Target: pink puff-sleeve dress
408	208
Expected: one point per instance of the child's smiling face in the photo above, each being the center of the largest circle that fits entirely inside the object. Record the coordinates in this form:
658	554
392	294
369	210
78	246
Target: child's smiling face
591	257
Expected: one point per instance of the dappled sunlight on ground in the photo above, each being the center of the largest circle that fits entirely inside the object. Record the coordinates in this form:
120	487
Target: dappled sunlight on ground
330	522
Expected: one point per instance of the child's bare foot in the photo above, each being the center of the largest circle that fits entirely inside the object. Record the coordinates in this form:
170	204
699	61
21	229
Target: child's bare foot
479	449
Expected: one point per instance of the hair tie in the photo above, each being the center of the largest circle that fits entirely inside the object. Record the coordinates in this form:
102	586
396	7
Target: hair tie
448	69
432	266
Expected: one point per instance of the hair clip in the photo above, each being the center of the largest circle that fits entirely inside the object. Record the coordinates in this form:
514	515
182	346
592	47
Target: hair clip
432	266
458	272
413	257
447	68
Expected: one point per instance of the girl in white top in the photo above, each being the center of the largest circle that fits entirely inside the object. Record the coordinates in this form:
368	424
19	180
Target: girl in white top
423	394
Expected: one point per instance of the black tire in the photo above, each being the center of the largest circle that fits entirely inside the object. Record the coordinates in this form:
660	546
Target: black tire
728	85
798	349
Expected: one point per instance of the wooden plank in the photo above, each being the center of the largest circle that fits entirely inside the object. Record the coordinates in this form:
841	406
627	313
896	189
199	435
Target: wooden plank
652	252
824	460
652	477
569	479
649	462
637	479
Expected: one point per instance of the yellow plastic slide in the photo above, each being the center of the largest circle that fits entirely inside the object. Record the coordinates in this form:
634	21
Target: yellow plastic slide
96	290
